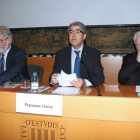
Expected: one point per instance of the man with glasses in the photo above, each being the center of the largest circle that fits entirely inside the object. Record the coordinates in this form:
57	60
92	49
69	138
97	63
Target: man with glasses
13	60
69	59
130	70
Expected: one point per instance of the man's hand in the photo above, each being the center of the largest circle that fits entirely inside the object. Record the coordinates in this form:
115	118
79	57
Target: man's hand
79	83
138	57
53	78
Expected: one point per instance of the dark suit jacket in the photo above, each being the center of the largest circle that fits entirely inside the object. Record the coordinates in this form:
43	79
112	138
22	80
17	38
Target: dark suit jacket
16	66
90	55
130	70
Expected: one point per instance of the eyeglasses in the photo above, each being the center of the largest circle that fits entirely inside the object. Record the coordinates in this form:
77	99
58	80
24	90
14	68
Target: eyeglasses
75	31
1	41
136	43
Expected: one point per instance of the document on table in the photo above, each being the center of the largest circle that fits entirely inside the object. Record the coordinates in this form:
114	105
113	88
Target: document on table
137	88
10	85
65	79
66	90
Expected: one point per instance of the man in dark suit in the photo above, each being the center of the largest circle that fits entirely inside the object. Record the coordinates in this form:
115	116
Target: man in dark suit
14	66
66	59
130	70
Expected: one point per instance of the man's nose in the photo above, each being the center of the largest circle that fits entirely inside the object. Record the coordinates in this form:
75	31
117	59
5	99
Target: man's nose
73	34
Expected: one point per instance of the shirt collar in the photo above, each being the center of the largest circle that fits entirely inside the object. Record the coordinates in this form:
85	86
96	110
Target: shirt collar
81	48
7	51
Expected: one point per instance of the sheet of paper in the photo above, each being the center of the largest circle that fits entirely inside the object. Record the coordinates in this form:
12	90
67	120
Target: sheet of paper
88	91
10	85
67	90
65	79
137	88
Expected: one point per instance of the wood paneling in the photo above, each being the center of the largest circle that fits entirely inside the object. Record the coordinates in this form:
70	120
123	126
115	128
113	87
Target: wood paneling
46	62
111	67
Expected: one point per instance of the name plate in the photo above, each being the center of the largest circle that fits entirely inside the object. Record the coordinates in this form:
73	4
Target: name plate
39	104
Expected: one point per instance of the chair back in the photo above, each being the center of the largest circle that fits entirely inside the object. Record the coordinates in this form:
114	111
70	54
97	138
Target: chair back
35	68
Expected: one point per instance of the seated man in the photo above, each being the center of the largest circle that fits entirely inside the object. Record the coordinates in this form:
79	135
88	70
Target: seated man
68	59
130	70
13	60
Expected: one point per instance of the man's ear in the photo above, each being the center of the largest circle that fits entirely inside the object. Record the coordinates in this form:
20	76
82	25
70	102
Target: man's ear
85	36
10	40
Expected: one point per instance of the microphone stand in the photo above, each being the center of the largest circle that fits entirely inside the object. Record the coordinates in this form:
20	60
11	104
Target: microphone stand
90	73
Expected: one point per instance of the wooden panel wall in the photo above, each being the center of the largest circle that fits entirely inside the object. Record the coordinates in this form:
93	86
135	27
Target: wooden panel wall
46	62
111	67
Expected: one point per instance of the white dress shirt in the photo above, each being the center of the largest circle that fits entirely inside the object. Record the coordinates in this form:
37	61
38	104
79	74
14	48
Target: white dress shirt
73	56
5	57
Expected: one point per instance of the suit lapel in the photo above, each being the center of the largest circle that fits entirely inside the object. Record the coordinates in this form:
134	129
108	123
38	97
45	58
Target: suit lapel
84	56
67	61
9	58
135	55
84	53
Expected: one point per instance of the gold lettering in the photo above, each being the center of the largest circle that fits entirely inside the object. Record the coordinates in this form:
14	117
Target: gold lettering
49	124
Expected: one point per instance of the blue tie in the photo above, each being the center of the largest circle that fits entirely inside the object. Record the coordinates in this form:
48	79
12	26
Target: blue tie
2	64
77	64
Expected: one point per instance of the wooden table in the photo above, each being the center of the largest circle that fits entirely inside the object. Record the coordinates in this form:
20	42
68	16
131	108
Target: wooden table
113	116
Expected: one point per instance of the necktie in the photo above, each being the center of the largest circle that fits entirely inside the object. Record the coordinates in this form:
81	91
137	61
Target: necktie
77	64
2	64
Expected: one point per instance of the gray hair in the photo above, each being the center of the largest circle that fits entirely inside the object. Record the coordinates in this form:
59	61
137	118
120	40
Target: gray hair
77	23
136	34
5	32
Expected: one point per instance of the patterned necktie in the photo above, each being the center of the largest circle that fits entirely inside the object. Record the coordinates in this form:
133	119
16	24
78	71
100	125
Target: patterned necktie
77	64
2	63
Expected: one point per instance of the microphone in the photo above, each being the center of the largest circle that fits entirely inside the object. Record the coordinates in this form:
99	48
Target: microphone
90	73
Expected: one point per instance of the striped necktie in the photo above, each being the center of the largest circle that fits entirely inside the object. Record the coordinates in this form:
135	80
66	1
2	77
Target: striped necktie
2	63
77	64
